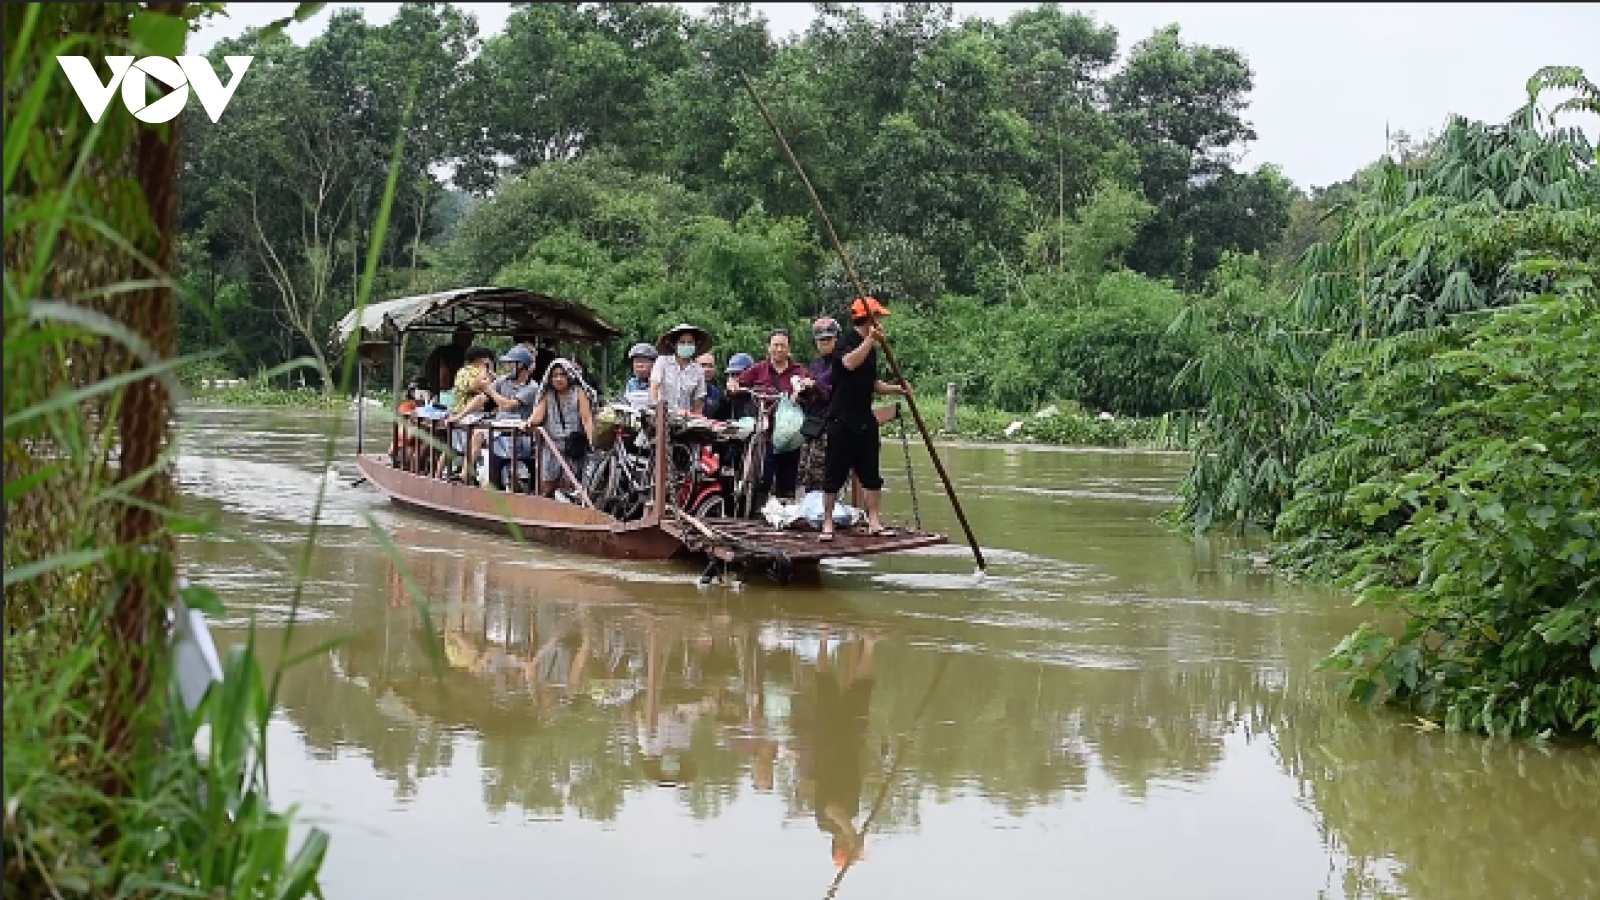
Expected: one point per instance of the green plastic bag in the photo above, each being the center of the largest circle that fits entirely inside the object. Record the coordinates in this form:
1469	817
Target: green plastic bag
786	425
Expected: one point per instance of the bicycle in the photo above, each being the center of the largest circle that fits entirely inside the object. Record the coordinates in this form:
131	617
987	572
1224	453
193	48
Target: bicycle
621	480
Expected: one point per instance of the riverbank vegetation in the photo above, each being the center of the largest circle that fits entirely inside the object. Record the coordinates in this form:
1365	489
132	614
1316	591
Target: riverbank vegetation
1420	421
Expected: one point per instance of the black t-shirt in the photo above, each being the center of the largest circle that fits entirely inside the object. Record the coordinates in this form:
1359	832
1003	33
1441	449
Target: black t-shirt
853	390
541	363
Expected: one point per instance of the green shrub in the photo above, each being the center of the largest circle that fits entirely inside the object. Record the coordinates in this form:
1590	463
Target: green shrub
1468	498
192	374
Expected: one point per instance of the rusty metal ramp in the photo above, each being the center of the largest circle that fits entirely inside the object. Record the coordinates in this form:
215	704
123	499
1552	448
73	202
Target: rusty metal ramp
740	540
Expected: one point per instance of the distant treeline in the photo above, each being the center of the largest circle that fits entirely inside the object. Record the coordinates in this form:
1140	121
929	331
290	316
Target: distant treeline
1033	213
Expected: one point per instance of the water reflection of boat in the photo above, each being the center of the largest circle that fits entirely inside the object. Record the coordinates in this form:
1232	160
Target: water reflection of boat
666	529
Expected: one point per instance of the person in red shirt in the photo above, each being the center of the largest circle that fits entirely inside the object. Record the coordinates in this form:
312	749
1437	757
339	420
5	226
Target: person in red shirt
779	374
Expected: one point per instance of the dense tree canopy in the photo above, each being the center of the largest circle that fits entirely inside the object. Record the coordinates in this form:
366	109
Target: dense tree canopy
609	151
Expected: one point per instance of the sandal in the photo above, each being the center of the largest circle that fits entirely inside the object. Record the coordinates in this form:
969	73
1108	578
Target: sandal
825	537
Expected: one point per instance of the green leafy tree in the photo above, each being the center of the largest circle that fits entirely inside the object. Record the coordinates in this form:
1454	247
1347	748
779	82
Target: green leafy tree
1182	107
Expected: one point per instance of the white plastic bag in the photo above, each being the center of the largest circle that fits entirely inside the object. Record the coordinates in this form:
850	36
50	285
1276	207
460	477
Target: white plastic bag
786	425
844	515
780	514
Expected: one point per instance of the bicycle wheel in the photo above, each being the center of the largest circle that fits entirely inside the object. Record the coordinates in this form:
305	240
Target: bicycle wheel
711	506
635	485
601	484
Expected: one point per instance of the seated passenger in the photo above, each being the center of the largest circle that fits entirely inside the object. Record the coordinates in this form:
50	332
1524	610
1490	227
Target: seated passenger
438	374
514	396
471	386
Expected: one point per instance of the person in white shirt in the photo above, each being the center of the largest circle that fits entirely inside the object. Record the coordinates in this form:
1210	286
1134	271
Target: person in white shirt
677	378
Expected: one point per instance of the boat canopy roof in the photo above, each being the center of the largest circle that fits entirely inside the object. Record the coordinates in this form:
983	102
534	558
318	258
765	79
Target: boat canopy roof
487	310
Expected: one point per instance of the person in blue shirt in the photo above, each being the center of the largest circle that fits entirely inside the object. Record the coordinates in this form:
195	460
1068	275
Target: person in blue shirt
642	358
733	403
714	394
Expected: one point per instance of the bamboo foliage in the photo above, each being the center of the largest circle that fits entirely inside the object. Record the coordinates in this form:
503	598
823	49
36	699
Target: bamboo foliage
1411	422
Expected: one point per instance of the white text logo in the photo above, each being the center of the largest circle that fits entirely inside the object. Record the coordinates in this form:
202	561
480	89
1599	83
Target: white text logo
179	75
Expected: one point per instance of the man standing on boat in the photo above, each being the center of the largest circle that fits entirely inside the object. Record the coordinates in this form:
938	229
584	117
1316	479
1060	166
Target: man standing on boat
815	399
777	374
677	378
853	445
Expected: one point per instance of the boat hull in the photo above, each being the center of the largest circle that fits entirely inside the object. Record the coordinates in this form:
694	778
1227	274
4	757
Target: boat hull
538	519
584	530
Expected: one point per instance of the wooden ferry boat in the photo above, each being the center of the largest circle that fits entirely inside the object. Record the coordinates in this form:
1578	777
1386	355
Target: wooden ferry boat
683	513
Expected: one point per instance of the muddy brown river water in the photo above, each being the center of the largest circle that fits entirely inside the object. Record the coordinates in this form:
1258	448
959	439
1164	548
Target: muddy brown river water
1114	712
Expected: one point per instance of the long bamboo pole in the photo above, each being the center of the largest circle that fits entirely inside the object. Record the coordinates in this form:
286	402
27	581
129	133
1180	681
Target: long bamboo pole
855	281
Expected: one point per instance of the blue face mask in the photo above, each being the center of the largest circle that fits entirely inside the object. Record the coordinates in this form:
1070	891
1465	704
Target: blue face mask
686	351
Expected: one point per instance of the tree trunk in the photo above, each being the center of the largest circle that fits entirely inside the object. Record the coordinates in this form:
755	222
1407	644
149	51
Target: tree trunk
142	435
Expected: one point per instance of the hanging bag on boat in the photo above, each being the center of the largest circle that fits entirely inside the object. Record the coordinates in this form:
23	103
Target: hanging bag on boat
575	446
786	425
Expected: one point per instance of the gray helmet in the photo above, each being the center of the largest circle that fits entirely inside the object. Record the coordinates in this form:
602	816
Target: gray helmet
518	355
647	351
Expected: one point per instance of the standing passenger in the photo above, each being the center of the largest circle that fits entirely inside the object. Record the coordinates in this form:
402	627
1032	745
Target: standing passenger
564	411
714	394
676	378
814	398
641	358
779	374
853	445
440	368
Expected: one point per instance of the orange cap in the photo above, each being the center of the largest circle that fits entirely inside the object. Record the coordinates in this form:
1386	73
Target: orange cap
863	305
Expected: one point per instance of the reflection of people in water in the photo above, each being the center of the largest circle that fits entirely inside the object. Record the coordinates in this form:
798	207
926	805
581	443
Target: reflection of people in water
746	723
839	736
665	734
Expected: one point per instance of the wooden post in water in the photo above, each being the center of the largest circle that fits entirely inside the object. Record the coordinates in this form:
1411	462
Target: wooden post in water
950	408
361	404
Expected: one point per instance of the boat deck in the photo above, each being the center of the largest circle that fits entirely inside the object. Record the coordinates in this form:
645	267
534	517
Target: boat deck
739	540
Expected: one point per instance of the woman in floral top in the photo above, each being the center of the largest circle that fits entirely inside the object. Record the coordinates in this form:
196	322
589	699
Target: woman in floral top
472	382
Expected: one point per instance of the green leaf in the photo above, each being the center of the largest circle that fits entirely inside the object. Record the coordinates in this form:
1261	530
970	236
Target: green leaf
104	386
158	34
301	874
75	559
16	489
203	599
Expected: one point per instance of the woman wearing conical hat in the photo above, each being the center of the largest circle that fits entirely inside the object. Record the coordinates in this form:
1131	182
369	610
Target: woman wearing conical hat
676	377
